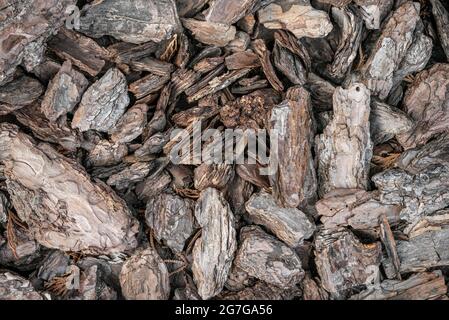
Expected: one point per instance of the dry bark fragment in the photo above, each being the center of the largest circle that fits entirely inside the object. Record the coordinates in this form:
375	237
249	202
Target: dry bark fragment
134	21
262	291
152	65
356	208
188	8
420	286
264	56
64	92
441	16
153	185
208	64
216	34
144	276
427	103
288	224
26	26
147	85
14	287
70	212
302	20
251	173
295	180
134	173
214	251
264	257
18	93
229	11
312	289
212	175
106	153
343	262
345	147
321	92
373	12
130	125
387	237
390	49
243	59
171	219
103	103
336	3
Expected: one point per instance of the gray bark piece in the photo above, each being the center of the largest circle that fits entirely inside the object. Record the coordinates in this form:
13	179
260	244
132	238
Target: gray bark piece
345	147
171	219
68	211
103	103
441	16
214	251
144	276
134	21
14	287
390	49
64	92
264	257
289	224
343	262
374	11
134	173
130	125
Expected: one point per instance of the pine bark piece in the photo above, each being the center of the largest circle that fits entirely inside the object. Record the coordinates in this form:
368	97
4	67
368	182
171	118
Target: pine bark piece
373	12
390	49
321	92
358	209
208	64
387	237
264	257
134	21
212	175
26	26
147	85
420	286
438	220
155	66
351	27
70	212
288	224
343	262
106	153
427	250
15	287
214	251
103	103
171	219
262	291
251	173
18	93
441	16
153	185
229	11
241	60
386	122
82	51
57	132
291	57
64	92
216	34
264	56
216	84
130	125
336	3
144	276
312	290
188	8
294	180
134	173
301	20
345	147
426	102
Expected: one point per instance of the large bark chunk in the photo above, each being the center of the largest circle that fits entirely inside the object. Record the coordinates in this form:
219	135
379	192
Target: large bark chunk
345	147
18	93
294	181
289	224
144	276
442	21
344	263
135	21
68	211
131	124
14	287
268	259
217	34
214	251
390	49
103	103
229	11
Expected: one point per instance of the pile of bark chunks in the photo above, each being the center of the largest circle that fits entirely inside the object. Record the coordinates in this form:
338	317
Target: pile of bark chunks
91	207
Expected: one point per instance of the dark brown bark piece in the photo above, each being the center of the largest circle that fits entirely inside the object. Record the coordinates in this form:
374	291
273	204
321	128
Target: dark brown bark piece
64	92
212	175
229	11
216	34
18	93
241	60
441	16
70	212
134	21
152	65
144	276
147	85
130	125
264	257
264	56
15	287
134	173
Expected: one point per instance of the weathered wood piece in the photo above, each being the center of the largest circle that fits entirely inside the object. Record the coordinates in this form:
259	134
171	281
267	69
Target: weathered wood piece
70	212
106	153
264	257
214	251
288	224
294	181
171	219
130	125
134	21
390	49
345	147
344	263
264	56
144	276
18	93
302	20
373	12
441	16
103	103
216	34
229	11
15	287
64	92
134	173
